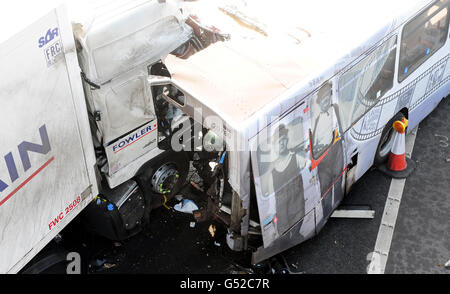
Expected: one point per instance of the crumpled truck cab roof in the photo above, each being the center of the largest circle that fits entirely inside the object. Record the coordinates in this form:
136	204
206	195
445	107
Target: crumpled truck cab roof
124	35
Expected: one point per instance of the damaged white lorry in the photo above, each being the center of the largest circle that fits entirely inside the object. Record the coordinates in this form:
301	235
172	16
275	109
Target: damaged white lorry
279	117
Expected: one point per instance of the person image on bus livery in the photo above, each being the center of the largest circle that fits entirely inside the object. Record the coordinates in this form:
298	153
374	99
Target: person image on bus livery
332	164
285	179
322	132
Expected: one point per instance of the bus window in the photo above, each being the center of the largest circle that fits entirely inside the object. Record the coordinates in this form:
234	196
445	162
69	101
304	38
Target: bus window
321	120
422	37
363	85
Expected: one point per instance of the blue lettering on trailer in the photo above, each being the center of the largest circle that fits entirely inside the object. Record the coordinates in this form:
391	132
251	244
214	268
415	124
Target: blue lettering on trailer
52	51
24	149
51	34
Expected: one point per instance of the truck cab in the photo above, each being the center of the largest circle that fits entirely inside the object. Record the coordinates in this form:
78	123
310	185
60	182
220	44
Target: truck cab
116	51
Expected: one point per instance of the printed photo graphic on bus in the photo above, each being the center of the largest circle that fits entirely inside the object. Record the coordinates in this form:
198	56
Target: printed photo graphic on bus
284	179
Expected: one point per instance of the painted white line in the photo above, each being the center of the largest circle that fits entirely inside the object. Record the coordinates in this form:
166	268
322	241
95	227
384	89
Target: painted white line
369	214
378	258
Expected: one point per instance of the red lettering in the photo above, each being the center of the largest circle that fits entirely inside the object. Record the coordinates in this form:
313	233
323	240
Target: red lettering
56	221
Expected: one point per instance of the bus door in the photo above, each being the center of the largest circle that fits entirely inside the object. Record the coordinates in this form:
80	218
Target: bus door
327	154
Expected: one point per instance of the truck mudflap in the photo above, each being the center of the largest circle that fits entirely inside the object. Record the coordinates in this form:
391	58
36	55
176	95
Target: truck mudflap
48	175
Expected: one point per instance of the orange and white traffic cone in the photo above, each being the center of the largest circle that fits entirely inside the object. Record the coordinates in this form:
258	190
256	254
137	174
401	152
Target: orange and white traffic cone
398	165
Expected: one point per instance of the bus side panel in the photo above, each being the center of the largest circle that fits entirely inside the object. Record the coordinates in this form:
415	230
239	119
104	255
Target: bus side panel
431	88
419	93
420	96
46	169
429	81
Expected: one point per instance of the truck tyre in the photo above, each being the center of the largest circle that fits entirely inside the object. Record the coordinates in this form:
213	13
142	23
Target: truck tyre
165	177
386	141
48	262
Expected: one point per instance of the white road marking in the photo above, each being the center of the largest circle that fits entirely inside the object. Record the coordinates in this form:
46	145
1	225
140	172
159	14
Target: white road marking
369	214
378	258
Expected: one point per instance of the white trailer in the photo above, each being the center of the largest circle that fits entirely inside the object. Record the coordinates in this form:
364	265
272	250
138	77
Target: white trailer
80	121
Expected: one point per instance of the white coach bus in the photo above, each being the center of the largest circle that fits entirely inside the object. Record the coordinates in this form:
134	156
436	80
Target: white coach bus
303	97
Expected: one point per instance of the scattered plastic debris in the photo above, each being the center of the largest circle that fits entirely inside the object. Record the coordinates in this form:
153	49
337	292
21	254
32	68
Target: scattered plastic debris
447	265
196	186
213	165
192	225
186	206
117	244
99	262
109	265
58	238
217	244
179	197
212	230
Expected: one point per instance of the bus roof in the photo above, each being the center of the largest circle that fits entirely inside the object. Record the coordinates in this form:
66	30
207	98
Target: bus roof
239	76
276	45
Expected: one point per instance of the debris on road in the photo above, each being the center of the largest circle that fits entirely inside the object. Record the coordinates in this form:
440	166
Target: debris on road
447	265
212	230
186	206
192	224
196	186
109	265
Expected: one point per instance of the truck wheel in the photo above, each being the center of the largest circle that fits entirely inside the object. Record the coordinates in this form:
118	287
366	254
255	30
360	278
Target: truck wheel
386	141
169	177
48	262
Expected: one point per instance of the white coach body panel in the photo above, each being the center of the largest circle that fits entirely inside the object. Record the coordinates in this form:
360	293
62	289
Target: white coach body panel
47	173
277	89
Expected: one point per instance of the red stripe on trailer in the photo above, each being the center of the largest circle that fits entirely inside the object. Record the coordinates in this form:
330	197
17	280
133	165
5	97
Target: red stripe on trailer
26	181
